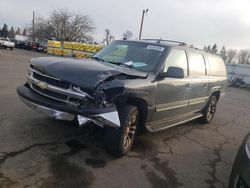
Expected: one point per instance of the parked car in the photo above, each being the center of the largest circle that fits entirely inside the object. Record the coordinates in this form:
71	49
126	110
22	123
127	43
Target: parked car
154	84
6	43
240	175
20	44
29	46
41	47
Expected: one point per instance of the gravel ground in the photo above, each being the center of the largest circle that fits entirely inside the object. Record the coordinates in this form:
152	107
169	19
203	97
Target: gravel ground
36	151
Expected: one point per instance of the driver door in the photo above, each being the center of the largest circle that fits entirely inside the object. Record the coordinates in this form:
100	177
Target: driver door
172	93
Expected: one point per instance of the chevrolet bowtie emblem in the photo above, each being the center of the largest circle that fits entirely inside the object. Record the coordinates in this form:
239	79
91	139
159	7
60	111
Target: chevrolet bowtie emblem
42	85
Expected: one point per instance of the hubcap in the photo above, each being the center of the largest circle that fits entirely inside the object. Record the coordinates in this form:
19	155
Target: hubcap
211	109
130	130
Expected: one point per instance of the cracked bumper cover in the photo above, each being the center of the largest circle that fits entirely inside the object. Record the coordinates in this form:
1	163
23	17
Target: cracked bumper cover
60	111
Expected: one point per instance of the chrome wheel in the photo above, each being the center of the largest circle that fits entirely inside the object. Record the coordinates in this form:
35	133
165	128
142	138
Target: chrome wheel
211	109
130	130
119	141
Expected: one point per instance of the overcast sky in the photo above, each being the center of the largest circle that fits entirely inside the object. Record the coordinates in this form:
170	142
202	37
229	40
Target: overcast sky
197	22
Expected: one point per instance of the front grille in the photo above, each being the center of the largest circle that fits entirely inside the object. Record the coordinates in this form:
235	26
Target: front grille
51	81
48	93
55	88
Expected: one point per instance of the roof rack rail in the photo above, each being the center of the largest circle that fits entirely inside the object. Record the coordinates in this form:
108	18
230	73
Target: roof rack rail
162	40
193	47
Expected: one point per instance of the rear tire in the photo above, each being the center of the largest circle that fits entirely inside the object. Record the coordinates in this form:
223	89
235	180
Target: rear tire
209	110
11	48
118	141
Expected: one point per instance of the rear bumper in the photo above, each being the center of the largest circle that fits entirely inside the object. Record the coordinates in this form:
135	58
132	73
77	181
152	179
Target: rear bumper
61	111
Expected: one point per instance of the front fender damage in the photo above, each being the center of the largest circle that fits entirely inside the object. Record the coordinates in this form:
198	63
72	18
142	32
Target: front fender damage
105	95
110	119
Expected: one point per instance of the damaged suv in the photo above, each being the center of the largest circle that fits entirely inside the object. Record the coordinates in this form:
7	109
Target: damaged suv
128	85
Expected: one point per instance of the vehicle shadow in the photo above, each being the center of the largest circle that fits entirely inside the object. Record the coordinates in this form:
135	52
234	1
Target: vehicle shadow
69	156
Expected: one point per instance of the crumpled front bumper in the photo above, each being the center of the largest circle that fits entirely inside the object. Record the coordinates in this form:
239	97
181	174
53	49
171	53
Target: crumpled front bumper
59	111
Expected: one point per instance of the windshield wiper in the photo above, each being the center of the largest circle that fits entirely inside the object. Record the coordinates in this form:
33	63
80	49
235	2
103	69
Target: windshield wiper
122	64
97	58
115	63
100	59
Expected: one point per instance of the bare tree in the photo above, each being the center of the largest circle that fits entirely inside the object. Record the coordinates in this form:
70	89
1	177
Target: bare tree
205	48
244	57
231	55
127	35
108	37
63	25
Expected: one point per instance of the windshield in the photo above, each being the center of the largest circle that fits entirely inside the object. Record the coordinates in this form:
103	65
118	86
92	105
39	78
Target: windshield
140	56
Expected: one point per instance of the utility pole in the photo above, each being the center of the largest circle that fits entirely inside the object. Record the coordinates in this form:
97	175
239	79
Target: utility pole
33	27
142	19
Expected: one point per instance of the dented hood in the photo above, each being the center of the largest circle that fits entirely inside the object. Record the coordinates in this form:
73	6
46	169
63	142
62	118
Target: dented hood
86	73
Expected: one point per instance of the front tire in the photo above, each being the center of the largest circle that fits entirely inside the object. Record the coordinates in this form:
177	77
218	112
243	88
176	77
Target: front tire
209	110
118	141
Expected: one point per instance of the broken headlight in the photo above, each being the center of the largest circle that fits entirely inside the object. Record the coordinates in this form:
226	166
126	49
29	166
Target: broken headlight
100	99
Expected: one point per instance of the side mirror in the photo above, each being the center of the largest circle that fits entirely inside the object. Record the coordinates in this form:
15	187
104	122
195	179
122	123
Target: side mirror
173	72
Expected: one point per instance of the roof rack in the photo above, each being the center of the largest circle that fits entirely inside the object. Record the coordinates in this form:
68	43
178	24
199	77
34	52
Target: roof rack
161	40
193	47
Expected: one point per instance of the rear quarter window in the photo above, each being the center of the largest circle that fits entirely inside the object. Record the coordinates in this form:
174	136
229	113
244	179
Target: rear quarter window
217	66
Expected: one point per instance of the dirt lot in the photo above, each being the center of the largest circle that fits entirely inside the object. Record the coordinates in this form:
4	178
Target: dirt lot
36	151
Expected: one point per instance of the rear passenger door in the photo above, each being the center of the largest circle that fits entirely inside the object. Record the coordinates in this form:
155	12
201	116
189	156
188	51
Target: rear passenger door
199	81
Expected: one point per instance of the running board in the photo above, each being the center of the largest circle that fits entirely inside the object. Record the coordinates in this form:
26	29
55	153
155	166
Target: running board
155	128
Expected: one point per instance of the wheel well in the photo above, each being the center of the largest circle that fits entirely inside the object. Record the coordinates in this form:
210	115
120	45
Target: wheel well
216	94
139	103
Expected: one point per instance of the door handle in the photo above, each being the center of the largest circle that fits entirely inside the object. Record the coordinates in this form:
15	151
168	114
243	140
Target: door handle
205	84
188	85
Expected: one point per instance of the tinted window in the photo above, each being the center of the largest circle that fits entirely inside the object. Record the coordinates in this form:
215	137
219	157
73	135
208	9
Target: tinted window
217	66
196	64
177	58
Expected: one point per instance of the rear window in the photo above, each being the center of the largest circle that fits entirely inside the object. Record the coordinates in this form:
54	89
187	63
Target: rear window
217	66
196	64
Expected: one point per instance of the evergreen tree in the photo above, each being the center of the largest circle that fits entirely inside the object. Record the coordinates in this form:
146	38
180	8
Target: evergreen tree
214	49
18	32
11	33
24	32
4	31
209	48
